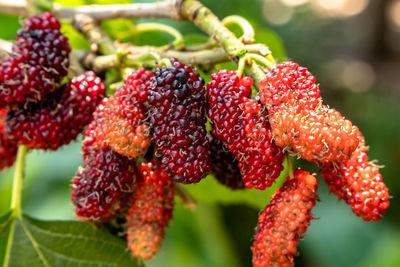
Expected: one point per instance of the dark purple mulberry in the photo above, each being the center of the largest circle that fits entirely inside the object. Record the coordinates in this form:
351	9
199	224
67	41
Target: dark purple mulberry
224	164
101	189
39	60
176	97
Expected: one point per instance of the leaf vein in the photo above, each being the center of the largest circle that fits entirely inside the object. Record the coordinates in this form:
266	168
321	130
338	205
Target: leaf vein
35	245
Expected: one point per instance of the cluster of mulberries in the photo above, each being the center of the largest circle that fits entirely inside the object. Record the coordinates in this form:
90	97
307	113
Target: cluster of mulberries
299	120
59	119
240	123
177	114
111	185
8	147
224	164
284	221
305	127
166	110
38	61
43	114
150	210
358	182
122	117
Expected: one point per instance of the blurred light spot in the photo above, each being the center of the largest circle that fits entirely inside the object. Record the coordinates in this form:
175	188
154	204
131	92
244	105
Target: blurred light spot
295	2
358	75
353	74
276	12
393	13
339	8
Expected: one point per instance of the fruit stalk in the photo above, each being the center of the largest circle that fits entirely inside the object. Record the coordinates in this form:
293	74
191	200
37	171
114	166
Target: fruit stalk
18	178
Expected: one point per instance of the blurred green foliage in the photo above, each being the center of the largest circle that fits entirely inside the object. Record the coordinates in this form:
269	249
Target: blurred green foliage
219	232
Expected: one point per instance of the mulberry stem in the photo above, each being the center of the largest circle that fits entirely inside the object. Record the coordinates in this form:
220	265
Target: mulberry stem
18	179
187	200
248	31
202	17
289	165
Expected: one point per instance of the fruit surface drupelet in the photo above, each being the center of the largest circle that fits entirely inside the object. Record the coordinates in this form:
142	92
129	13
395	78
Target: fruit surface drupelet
300	122
8	147
240	123
38	61
150	211
284	221
122	117
58	120
177	114
358	182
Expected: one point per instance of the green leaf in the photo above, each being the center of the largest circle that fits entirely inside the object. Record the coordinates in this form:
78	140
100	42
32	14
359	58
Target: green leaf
209	190
76	39
25	241
6	224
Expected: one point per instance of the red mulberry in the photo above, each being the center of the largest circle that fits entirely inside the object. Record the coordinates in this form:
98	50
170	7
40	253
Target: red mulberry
284	221
177	113
122	117
46	21
300	123
57	121
289	83
8	147
358	182
239	122
224	165
39	60
150	210
101	189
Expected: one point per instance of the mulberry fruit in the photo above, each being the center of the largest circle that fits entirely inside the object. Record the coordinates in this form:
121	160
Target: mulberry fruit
177	113
300	123
39	60
239	122
46	21
321	135
358	182
57	121
102	187
284	221
224	165
289	83
150	210
8	147
122	116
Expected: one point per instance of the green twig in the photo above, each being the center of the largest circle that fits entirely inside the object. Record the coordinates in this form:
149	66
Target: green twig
100	41
201	16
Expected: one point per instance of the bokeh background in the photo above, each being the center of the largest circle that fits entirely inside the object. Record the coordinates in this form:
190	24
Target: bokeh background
353	48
